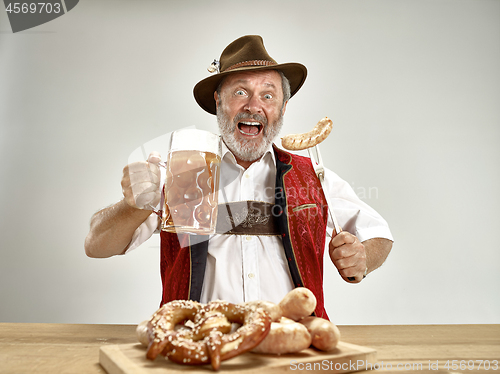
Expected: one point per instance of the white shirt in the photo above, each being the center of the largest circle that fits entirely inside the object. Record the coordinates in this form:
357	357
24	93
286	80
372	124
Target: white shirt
241	268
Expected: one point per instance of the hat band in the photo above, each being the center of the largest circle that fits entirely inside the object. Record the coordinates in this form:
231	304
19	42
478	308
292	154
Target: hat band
251	63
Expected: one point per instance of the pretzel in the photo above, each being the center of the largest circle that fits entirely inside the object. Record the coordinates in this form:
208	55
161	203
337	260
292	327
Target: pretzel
297	142
210	340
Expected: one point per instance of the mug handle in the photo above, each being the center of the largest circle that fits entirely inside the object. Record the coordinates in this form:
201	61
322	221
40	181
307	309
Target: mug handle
159	212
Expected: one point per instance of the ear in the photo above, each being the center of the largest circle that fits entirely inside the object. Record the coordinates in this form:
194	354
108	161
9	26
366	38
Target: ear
284	108
216	98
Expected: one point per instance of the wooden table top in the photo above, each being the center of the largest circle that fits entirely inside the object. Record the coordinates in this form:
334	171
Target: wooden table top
74	348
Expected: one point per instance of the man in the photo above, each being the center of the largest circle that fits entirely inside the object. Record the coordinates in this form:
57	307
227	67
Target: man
249	95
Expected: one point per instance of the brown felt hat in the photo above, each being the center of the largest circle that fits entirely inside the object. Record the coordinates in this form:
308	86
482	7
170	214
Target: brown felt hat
245	53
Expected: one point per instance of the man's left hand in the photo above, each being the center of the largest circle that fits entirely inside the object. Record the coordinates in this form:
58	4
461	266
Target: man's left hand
349	256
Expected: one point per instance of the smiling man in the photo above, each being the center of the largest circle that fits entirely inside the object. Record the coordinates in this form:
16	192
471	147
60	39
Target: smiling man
249	94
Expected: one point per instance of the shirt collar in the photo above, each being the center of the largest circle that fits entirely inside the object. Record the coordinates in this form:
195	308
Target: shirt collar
228	156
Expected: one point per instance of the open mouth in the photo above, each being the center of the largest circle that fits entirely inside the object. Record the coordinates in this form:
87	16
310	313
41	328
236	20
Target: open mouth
249	128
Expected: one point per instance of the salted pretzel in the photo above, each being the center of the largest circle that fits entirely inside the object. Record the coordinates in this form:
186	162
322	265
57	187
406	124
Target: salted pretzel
210	339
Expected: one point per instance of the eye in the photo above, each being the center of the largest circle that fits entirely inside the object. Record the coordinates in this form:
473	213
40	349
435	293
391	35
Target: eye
240	93
268	96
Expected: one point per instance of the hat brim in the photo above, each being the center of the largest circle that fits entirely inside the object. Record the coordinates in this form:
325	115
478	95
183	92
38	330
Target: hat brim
204	90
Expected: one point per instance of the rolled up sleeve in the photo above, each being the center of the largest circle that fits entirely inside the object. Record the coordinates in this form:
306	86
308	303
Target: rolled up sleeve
143	232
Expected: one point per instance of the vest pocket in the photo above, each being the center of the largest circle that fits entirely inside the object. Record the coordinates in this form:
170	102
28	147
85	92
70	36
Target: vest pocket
304	206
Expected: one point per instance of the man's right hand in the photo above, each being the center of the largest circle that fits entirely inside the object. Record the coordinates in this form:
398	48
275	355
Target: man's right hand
141	183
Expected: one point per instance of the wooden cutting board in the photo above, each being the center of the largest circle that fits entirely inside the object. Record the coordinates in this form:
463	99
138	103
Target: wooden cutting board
131	359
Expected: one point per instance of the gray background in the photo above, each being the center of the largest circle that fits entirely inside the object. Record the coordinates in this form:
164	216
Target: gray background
412	86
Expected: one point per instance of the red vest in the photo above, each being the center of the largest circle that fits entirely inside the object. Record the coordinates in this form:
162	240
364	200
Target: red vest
302	216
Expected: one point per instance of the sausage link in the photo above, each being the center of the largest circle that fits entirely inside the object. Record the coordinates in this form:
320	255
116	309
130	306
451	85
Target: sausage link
297	142
142	333
274	310
298	303
325	335
285	336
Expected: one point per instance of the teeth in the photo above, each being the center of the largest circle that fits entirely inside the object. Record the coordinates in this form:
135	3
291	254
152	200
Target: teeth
251	123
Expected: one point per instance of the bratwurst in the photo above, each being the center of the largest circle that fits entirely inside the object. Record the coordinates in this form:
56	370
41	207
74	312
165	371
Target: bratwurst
297	142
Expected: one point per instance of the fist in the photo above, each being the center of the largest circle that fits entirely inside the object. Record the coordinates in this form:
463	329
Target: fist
141	183
348	255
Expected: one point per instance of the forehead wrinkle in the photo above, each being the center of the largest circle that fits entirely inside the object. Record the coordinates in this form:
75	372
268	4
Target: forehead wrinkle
244	77
269	84
243	81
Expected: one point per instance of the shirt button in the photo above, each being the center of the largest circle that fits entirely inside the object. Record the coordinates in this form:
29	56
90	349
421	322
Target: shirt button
249	238
251	275
247	176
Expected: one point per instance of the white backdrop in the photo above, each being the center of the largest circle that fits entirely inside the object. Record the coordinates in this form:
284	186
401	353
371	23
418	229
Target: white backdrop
412	86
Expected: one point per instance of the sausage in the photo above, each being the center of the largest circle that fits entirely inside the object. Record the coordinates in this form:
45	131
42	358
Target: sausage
285	336
297	142
142	333
325	335
298	303
272	309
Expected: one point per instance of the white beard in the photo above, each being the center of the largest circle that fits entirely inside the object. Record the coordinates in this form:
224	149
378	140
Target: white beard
247	150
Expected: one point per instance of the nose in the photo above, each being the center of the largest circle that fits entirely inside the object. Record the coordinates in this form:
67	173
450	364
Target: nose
253	105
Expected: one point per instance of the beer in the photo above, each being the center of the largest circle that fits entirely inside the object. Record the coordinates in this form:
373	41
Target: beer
190	192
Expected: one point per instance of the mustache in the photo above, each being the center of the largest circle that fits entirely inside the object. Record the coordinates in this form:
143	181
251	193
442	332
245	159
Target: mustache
256	117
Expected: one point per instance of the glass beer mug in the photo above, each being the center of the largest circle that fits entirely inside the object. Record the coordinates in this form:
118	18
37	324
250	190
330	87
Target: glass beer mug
190	192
